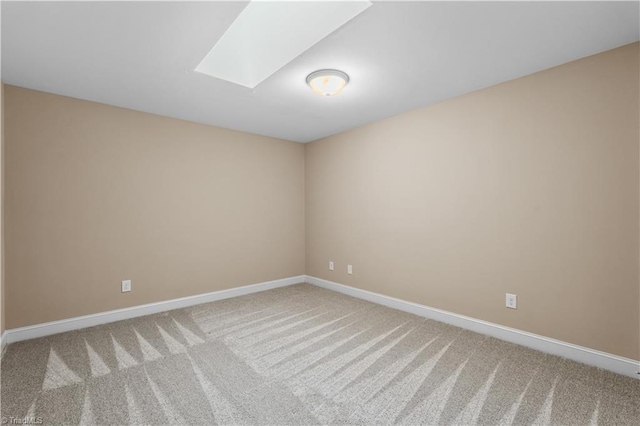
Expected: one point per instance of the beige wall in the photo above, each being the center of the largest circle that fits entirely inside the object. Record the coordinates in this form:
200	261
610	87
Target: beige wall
529	187
97	194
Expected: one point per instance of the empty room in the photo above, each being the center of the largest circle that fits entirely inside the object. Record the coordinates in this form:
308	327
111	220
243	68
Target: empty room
320	213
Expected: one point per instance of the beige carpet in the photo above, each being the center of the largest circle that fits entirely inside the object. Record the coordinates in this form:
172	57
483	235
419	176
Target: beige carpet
301	355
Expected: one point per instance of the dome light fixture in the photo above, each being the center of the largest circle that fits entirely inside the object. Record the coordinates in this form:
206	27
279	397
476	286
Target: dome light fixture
327	82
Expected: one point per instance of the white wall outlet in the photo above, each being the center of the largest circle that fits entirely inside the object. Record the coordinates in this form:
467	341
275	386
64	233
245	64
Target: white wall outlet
126	286
512	301
350	269
331	265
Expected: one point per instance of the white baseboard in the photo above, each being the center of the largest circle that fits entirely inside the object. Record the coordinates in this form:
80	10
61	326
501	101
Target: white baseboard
3	342
617	364
55	327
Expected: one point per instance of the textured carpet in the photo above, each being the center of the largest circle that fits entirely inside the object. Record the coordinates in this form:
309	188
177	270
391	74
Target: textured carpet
301	355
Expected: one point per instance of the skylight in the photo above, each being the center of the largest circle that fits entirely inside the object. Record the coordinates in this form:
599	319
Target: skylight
269	34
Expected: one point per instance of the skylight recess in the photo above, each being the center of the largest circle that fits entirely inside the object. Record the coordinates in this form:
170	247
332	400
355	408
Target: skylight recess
269	34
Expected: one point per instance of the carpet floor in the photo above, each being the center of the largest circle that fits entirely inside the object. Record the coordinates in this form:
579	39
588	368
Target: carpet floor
301	355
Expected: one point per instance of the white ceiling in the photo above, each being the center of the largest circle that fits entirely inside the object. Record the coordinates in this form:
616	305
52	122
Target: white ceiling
399	56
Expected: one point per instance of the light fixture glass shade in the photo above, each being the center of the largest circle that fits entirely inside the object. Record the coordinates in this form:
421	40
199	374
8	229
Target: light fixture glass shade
327	82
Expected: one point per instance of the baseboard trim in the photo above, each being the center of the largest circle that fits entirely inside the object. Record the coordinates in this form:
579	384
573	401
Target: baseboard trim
614	363
3	342
607	361
55	327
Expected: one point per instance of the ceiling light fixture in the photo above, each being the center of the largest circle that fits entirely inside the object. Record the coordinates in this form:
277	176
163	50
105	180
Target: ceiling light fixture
327	82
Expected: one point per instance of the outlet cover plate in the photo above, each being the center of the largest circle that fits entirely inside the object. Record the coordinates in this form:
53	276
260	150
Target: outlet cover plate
511	301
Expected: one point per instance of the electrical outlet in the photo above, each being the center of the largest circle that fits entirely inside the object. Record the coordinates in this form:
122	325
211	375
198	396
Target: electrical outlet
511	301
126	286
350	269
331	265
